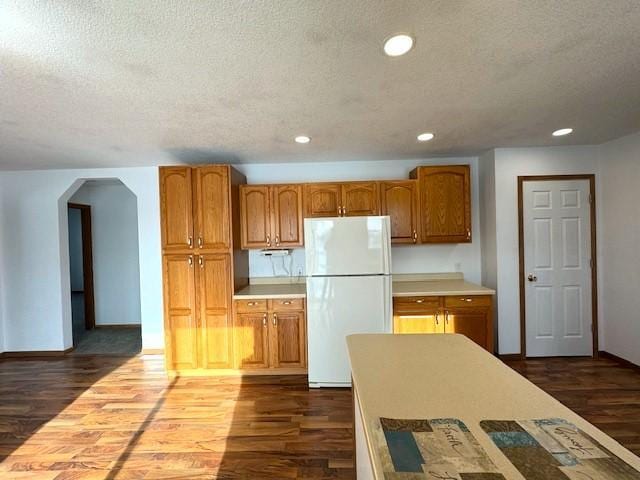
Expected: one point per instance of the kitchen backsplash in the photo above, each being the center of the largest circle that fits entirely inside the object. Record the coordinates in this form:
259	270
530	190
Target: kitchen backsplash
413	259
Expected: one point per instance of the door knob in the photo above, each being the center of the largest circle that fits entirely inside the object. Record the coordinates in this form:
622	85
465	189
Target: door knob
532	278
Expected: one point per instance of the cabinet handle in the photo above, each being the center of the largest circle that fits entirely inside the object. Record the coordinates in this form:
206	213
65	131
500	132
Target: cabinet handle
446	317
277	240
286	302
250	304
190	260
420	300
200	241
275	319
415	236
437	315
190	241
200	261
466	299
264	320
344	210
468	234
268	240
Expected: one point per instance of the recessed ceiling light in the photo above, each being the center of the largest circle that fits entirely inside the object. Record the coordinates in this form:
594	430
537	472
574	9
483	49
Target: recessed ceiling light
562	131
302	139
425	137
398	45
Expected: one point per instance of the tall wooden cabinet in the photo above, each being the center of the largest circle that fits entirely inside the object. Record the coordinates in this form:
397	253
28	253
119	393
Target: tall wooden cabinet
445	203
200	267
271	216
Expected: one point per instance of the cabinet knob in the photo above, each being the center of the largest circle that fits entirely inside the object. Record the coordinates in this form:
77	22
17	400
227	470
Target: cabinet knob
268	240
200	241
415	236
277	240
275	319
190	241
468	234
190	260
264	320
200	261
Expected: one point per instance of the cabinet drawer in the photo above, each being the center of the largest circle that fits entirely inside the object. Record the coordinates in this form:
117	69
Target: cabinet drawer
251	305
415	305
286	304
467	301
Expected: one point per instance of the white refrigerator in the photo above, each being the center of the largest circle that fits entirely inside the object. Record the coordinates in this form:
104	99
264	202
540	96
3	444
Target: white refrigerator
348	268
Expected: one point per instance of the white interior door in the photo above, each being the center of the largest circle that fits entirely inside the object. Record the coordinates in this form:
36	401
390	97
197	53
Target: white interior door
557	260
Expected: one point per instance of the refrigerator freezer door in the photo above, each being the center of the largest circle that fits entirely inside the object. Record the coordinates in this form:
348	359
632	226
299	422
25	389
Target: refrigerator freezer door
347	246
337	307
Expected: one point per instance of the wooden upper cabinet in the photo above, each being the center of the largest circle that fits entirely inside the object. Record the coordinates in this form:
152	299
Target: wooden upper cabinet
288	339
255	216
445	203
286	216
212	229
399	200
214	273
359	199
180	312
322	200
176	208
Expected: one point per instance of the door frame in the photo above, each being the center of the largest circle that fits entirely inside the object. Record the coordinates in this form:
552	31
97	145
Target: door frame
87	264
594	265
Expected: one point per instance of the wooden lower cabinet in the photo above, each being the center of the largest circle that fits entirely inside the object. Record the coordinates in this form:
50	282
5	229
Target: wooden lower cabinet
274	338
471	316
251	340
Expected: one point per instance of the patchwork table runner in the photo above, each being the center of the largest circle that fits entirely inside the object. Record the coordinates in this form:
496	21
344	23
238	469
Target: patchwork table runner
441	448
554	449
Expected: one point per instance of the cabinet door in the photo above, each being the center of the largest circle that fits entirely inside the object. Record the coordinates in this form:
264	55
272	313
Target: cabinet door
471	322
211	208
288	339
254	216
176	208
181	333
251	340
399	200
360	198
322	200
214	279
445	204
286	215
429	321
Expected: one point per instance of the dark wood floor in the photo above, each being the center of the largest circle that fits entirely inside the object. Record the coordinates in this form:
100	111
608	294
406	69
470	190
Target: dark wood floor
118	418
603	391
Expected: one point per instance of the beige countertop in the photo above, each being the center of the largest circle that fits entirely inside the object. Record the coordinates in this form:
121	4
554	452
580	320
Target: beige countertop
275	290
407	287
435	288
394	377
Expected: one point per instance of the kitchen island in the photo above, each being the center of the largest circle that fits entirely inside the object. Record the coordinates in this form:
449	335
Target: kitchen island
438	377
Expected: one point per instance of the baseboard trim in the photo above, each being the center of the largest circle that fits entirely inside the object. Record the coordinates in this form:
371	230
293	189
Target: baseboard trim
119	325
510	357
618	359
152	351
32	354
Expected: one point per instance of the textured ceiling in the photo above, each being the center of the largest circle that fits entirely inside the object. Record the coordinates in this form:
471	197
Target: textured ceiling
113	83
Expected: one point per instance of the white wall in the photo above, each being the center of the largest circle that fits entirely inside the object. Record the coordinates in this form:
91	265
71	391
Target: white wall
509	164
75	250
619	270
116	273
489	253
34	240
413	259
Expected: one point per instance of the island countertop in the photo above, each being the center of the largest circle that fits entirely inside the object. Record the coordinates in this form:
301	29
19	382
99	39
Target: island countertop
394	376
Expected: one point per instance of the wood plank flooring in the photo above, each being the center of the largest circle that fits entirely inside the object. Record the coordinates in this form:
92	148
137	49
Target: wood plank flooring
603	391
107	418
